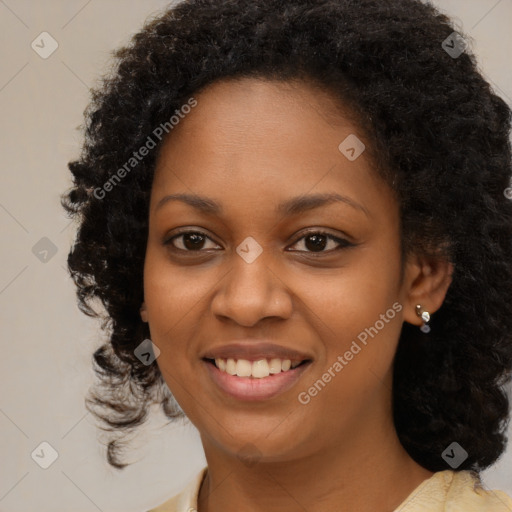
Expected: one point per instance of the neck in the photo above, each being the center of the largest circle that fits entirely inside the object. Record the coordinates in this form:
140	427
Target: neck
368	472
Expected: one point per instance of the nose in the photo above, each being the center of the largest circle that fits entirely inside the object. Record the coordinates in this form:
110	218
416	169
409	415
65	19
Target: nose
250	292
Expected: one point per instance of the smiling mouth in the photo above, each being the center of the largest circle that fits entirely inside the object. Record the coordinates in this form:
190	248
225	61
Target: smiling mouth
258	369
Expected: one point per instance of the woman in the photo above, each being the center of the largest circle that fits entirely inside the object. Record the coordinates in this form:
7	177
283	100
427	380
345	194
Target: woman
296	217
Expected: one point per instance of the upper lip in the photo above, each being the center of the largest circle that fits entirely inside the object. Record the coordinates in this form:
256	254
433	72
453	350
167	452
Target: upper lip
254	351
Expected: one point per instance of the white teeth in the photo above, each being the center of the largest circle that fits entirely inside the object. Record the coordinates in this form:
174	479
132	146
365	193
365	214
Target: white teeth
257	369
260	369
230	367
243	368
275	366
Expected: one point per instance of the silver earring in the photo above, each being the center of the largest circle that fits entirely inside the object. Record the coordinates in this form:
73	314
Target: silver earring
425	316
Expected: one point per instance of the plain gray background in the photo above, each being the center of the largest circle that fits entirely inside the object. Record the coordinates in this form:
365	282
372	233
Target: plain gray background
46	342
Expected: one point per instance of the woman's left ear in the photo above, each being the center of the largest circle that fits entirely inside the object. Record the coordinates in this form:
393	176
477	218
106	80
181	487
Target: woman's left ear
426	282
143	312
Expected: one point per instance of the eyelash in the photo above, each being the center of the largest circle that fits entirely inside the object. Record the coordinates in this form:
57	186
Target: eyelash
343	244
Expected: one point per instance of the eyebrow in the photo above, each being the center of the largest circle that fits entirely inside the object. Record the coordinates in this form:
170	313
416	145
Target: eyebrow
289	207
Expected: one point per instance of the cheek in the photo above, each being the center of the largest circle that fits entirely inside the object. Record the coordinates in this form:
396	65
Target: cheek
356	313
351	298
359	325
172	293
172	298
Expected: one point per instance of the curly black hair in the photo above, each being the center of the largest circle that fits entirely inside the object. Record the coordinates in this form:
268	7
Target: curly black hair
440	139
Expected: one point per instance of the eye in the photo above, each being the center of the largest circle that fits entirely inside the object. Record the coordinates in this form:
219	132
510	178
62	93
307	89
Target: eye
317	241
190	241
313	242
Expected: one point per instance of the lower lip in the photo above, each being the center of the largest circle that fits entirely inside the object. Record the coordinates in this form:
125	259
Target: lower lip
250	389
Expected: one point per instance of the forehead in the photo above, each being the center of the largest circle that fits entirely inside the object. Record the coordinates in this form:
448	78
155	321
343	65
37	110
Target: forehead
258	104
257	139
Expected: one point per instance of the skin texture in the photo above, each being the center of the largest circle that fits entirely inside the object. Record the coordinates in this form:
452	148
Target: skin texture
249	145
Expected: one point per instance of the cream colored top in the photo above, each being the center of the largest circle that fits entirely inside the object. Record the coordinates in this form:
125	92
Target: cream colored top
444	491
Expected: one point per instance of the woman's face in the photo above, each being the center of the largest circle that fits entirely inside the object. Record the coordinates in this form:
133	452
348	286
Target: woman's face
274	273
